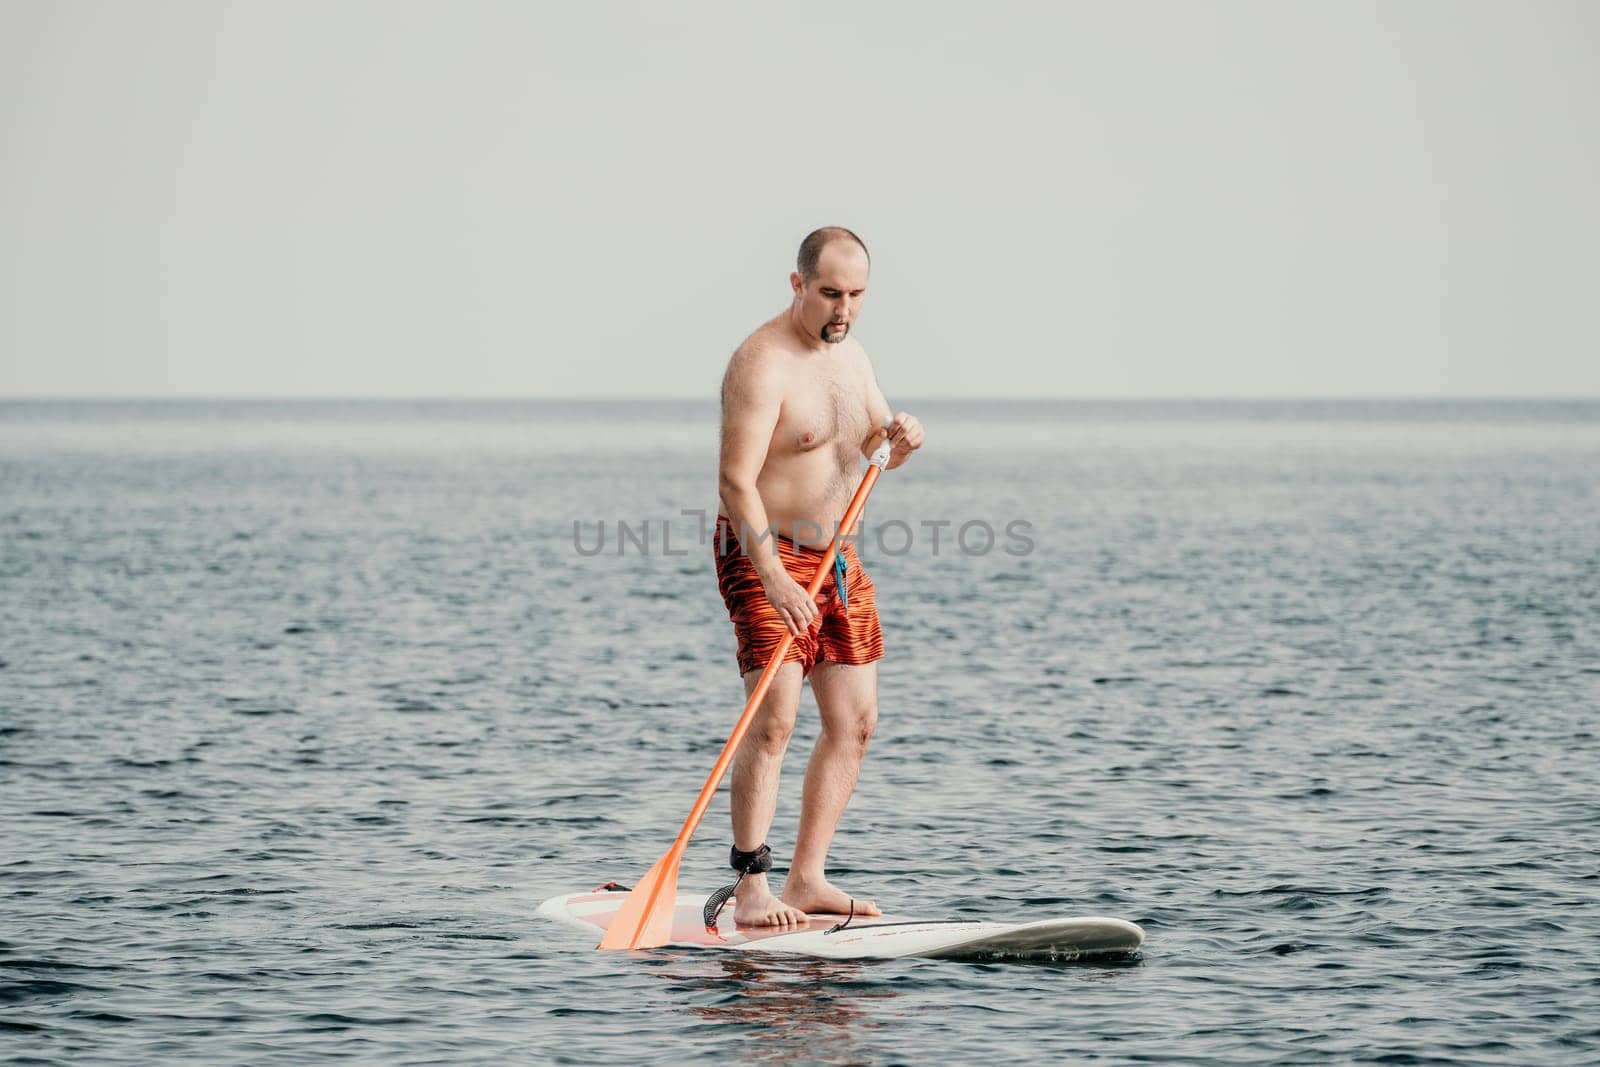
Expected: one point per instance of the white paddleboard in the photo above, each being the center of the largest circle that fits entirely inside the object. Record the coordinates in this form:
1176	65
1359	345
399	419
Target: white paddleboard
1087	937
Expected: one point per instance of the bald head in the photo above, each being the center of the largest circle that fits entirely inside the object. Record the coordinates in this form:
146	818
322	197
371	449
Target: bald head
811	249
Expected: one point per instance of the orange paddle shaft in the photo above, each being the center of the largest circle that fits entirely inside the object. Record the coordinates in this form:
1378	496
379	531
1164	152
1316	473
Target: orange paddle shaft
645	918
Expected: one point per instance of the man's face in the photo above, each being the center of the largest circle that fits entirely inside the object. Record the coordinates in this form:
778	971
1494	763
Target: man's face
829	303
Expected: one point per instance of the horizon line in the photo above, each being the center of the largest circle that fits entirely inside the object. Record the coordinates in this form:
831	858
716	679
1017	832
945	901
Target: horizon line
645	398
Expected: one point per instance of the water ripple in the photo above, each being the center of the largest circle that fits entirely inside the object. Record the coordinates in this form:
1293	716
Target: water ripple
299	721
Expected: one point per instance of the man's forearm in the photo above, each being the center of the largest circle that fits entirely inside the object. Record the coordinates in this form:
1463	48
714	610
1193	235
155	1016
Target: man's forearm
749	517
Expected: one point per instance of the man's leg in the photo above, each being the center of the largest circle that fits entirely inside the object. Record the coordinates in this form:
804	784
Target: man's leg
847	697
754	796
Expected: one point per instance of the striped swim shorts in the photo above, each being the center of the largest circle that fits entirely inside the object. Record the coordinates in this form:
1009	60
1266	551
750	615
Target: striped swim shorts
845	629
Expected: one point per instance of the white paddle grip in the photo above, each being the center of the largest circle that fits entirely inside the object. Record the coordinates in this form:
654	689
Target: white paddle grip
880	455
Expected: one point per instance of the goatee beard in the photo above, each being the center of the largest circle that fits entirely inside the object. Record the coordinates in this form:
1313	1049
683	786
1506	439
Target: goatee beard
844	331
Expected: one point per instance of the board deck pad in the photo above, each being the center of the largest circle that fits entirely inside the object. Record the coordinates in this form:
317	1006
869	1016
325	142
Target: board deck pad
1086	937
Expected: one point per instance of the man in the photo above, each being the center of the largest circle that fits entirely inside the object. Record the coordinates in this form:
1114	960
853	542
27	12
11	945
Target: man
800	408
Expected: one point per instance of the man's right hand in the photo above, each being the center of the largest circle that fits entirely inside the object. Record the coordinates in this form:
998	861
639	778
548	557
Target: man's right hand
788	598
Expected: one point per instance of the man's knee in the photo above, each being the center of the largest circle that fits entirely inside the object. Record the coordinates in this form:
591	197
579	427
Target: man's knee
856	724
866	723
773	728
774	724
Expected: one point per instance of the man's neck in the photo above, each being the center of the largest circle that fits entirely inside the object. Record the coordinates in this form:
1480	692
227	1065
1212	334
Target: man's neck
813	344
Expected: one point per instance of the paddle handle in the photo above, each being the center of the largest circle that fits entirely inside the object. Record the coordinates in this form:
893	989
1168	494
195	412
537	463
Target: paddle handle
876	465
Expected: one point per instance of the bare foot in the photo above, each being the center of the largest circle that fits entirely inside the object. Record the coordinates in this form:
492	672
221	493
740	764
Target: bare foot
818	896
754	905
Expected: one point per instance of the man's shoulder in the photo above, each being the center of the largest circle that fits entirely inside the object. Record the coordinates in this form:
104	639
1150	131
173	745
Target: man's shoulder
756	367
856	355
762	352
766	341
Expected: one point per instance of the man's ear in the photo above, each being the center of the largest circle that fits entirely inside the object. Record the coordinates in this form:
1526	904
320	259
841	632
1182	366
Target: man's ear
796	282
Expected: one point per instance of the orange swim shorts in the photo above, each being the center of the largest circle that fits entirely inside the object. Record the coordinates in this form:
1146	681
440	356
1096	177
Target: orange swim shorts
845	629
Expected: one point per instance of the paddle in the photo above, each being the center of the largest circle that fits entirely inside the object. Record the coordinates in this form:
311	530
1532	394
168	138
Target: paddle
645	919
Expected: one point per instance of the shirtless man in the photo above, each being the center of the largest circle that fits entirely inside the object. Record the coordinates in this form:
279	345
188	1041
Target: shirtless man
800	408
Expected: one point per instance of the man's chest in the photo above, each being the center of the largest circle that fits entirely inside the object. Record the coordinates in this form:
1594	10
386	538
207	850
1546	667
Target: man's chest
820	410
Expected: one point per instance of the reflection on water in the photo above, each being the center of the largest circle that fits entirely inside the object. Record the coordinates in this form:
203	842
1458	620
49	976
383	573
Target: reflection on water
776	1008
796	1008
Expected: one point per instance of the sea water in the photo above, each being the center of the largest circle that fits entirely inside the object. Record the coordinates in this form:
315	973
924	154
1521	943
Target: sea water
305	706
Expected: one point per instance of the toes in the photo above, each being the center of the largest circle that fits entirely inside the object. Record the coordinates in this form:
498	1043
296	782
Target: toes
782	915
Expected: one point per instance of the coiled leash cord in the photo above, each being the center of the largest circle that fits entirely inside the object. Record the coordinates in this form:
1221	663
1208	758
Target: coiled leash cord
757	862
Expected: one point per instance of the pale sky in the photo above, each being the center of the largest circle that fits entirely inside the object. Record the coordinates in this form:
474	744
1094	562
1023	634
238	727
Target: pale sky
520	198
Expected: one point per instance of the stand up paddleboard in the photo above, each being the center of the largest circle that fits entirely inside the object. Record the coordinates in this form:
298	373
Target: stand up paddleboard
886	936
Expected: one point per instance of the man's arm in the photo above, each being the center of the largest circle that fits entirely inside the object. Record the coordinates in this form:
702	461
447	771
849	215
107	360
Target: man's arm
904	431
752	397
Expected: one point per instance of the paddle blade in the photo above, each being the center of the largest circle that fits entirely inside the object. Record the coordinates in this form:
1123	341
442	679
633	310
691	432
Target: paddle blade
645	919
